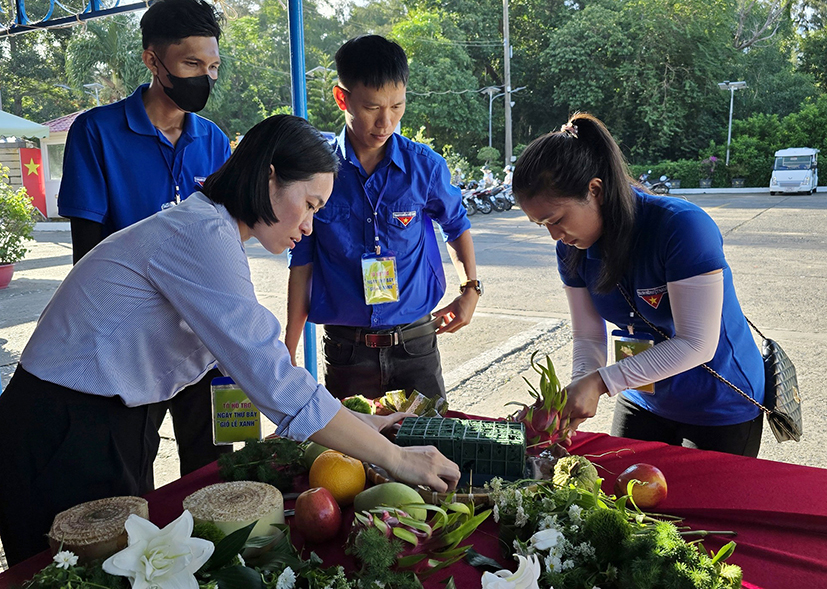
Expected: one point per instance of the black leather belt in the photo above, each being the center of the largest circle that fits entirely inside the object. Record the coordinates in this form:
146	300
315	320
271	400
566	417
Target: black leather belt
386	338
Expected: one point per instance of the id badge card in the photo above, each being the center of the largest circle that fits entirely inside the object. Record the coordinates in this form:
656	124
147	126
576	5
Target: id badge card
626	345
379	279
234	417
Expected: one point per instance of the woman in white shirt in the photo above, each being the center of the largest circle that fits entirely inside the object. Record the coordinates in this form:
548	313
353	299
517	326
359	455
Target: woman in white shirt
150	310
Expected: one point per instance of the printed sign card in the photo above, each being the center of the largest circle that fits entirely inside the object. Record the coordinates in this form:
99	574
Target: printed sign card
234	417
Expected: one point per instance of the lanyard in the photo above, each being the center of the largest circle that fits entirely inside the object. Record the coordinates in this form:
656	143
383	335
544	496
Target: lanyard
171	172
376	246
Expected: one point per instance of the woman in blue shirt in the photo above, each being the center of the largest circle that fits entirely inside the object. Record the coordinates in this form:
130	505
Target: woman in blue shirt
150	310
655	268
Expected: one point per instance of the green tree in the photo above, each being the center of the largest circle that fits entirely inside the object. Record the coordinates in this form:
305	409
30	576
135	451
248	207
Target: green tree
254	81
107	51
440	78
814	56
373	18
323	113
807	127
31	69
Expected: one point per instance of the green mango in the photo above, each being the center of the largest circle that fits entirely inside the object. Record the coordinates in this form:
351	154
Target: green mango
311	453
397	495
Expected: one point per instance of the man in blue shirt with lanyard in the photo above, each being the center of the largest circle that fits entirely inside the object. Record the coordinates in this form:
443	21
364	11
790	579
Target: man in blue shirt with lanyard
128	160
371	271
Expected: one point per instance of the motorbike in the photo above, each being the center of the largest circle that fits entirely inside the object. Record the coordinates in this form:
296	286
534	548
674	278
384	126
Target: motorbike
662	186
468	202
493	195
473	201
508	194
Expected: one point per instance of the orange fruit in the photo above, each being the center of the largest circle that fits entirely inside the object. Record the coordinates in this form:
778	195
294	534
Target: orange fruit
340	474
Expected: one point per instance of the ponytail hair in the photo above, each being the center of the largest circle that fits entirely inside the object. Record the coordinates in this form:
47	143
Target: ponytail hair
561	164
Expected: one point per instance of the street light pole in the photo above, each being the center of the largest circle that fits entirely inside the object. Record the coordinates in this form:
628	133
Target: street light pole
732	87
491	91
96	87
507	83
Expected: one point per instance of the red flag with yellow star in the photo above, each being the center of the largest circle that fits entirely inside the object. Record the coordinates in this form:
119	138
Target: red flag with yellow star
31	166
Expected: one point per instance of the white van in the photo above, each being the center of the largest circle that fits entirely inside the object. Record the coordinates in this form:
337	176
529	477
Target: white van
795	170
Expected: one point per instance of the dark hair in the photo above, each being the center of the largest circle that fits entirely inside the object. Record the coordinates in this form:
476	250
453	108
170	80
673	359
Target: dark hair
372	60
561	165
295	149
168	22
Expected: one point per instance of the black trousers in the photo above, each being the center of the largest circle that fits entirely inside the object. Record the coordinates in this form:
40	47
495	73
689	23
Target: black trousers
59	448
352	368
632	421
191	411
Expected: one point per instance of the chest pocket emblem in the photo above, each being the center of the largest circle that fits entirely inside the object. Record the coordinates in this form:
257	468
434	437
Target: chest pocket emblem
652	296
405	217
199	180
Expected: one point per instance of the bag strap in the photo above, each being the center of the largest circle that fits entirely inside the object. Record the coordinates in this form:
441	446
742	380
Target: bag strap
707	368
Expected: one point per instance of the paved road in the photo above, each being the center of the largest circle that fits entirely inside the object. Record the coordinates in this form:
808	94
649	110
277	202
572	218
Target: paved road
776	246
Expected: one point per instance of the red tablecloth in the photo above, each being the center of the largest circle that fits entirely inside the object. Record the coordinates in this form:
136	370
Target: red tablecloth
779	511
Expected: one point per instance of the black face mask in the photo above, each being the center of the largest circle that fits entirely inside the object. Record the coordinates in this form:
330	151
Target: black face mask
189	94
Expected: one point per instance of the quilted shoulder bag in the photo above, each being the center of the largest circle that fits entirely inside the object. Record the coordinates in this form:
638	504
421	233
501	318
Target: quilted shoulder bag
782	402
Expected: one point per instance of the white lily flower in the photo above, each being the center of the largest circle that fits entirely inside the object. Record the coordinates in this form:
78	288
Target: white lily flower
167	559
65	559
547	539
525	577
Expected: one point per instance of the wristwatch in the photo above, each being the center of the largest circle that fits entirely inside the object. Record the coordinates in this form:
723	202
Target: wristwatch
475	284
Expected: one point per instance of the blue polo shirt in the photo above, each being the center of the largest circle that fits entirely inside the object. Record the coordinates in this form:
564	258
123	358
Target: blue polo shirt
119	169
408	190
674	240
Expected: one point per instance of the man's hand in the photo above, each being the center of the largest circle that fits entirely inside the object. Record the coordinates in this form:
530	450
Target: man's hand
459	312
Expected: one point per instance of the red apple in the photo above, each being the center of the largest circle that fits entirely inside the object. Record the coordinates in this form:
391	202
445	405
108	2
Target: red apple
651	489
318	517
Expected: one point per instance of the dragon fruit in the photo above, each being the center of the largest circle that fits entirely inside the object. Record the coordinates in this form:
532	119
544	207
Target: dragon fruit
542	419
428	546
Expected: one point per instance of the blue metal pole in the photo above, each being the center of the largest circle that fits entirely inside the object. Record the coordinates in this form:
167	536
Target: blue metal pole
295	23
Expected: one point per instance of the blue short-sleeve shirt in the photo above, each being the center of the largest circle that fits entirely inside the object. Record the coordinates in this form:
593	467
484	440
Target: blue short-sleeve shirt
674	240
119	169
408	191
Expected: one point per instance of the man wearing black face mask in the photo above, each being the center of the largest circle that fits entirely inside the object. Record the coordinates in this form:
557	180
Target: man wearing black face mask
128	160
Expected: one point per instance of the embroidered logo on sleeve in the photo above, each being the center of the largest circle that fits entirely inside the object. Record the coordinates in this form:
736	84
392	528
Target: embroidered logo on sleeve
652	296
405	217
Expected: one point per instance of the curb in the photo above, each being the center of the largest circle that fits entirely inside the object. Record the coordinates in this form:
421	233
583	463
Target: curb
746	190
53	226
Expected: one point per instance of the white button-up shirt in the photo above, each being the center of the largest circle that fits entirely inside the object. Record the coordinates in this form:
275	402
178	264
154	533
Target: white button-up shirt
153	307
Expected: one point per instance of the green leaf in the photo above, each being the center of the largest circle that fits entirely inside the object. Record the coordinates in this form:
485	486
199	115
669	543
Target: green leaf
460	507
466	529
724	553
238	577
409	561
449	583
229	547
415	523
406	535
276	560
259	542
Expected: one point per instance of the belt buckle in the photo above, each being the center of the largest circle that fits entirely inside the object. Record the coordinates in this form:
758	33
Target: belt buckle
381	340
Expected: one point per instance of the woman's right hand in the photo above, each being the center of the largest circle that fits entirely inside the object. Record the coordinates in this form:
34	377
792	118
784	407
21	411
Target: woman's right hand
583	397
425	465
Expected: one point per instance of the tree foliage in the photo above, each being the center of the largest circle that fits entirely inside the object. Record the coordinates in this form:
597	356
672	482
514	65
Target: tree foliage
439	69
648	68
108	52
